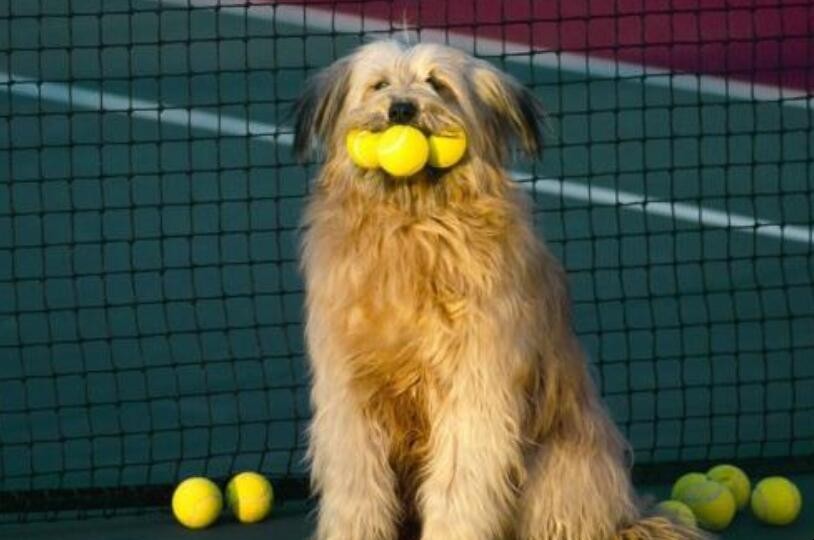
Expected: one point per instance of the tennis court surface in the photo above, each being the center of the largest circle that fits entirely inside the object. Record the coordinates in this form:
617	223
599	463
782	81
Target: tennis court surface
150	302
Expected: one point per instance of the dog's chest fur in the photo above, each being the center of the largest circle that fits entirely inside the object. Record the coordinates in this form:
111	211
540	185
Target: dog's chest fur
404	291
407	309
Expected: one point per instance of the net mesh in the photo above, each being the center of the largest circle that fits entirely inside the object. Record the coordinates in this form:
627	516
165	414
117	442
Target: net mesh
150	303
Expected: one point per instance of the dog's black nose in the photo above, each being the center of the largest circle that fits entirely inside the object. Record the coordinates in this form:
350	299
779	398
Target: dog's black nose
401	112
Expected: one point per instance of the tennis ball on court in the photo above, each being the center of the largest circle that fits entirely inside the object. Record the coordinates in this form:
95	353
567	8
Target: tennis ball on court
197	502
684	481
403	151
776	501
250	497
678	511
735	479
363	148
713	504
446	149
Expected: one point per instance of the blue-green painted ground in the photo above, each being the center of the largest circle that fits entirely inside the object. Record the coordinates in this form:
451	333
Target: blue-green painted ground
150	304
294	521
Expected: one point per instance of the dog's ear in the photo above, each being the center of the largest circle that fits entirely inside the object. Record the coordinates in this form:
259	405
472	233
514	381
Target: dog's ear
514	112
317	109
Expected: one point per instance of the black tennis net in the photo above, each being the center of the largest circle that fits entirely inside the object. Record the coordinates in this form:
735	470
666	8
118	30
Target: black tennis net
150	303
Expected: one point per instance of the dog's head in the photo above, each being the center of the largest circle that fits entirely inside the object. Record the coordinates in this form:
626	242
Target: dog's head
431	87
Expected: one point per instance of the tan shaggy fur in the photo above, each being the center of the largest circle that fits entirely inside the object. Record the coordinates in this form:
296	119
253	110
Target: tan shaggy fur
451	398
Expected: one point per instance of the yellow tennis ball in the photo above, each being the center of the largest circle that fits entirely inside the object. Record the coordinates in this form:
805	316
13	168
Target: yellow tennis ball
678	511
197	502
684	481
776	501
446	149
713	504
735	479
403	151
250	497
363	148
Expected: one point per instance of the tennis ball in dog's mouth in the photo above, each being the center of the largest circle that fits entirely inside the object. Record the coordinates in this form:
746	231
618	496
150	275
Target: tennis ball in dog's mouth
446	149
402	151
363	147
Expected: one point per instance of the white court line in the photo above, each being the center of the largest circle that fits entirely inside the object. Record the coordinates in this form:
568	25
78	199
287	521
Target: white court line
189	118
581	64
709	217
109	102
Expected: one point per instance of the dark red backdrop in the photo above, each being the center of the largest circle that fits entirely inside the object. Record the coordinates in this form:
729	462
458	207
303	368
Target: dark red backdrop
766	41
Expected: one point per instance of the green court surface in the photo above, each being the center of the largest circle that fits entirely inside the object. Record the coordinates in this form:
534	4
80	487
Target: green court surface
291	522
294	521
150	303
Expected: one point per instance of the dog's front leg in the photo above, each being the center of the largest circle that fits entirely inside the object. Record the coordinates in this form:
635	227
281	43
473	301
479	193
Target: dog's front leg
348	454
475	458
351	474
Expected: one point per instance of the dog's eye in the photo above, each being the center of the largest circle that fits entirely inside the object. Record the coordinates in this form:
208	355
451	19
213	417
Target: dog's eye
381	85
435	83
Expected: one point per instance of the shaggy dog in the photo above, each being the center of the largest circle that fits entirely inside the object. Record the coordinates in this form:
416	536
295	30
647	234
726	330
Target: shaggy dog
451	399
